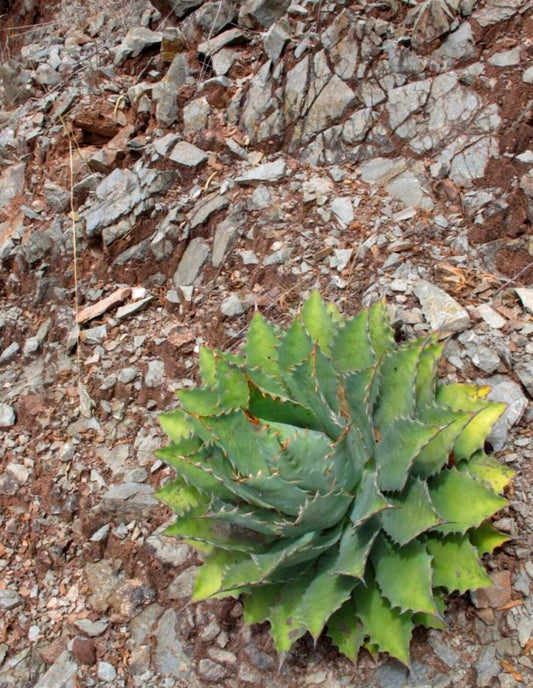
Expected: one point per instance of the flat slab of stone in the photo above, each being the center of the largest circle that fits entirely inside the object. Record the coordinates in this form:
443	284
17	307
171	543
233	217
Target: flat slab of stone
441	311
191	262
187	154
268	172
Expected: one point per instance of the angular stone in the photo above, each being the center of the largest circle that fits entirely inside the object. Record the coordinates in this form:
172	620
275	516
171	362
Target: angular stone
205	207
188	155
509	392
182	585
118	194
92	629
61	674
491	317
155	374
494	596
524	372
330	104
9	599
169	656
268	172
526	296
434	19
216	43
8	417
261	13
11	183
526	184
106	672
211	671
527	76
496	11
458	46
274	41
167	549
224	236
343	210
130	500
401	178
195	115
441	311
232	306
136	40
191	262
505	58
485	358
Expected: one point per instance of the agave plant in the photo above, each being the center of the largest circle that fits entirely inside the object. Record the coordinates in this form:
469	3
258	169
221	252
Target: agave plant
328	478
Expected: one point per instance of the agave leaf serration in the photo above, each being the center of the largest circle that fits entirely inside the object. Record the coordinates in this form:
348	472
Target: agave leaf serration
332	481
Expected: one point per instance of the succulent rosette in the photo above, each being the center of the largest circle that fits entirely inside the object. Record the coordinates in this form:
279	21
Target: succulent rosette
332	481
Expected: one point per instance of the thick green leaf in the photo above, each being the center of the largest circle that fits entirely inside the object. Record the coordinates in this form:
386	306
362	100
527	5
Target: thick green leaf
195	471
304	460
217	533
355	545
397	450
258	602
456	564
346	461
322	511
490	471
380	332
486	538
428	362
471	398
261	346
200	401
285	625
309	390
318	321
346	631
180	497
397	396
388	629
462	501
295	345
176	425
404	575
435	455
270	407
355	393
207	366
209	577
369	500
249	517
232	386
275	493
413	513
351	349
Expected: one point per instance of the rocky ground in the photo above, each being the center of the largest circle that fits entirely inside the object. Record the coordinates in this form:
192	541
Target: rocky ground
164	174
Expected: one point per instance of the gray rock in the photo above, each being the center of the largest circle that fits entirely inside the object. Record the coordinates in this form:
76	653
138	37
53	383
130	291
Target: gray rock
127	375
441	311
434	19
38	247
491	317
92	629
211	671
216	43
274	40
205	207
94	335
402	179
212	17
106	672
485	358
130	499
165	143
9	353
526	296
11	183
167	549
131	308
8	417
136	40
61	674
524	372
188	155
155	374
508	391
526	184
496	11
261	13
195	115
505	58
181	7
458	46
224	236
527	76
487	666
183	584
165	95
9	599
169	657
232	306
343	210
119	193
268	172
191	262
